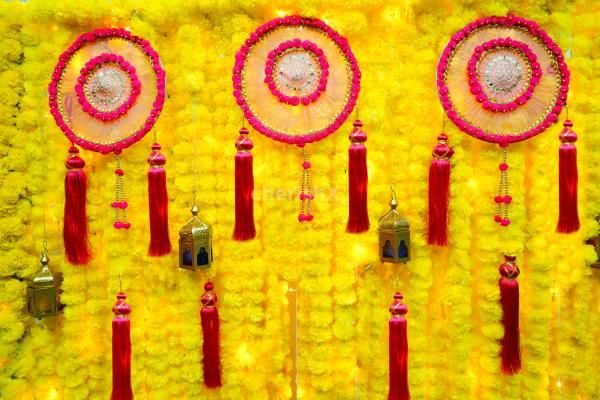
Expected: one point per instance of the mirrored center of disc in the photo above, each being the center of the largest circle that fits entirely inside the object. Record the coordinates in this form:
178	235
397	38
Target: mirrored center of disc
106	88
297	73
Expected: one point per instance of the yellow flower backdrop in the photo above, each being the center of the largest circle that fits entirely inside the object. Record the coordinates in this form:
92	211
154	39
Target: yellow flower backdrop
335	282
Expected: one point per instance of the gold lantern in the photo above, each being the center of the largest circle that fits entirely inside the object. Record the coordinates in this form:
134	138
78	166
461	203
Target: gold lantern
195	244
42	295
394	236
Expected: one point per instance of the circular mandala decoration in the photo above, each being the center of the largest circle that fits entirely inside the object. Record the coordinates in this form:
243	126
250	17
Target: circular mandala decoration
296	79
502	79
107	90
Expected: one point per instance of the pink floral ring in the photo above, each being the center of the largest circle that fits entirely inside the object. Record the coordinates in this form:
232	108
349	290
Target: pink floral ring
260	114
61	105
114	71
555	70
297	51
523	52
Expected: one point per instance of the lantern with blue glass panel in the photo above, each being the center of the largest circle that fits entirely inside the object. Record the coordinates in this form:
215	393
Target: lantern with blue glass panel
195	244
394	236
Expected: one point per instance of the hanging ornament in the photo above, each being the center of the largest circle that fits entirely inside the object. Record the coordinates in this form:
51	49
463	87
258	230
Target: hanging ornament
398	348
394	235
195	244
509	298
568	215
121	350
107	91
439	192
502	80
160	243
358	215
43	292
209	316
296	81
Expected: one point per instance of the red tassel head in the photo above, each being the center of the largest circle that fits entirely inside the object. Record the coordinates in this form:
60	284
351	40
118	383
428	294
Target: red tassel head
156	158
357	135
398	308
209	298
509	269
568	135
74	162
442	149
121	308
243	142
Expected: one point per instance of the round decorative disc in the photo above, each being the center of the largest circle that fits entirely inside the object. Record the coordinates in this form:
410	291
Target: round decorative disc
296	79
502	79
107	90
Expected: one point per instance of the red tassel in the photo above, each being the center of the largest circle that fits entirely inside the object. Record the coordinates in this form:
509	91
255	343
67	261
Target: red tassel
244	189
158	204
398	350
75	234
358	219
568	216
209	315
509	298
439	188
121	350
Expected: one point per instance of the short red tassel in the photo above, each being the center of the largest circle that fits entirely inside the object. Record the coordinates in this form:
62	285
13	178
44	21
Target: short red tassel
439	192
398	350
509	298
244	189
209	315
121	350
75	234
358	218
158	204
568	215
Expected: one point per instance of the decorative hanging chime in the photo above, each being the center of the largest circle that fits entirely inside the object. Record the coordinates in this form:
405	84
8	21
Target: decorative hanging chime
398	350
43	292
394	236
509	298
195	243
121	350
209	317
107	91
296	81
504	80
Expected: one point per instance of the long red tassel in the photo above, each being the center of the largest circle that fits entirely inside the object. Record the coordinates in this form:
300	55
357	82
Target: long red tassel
568	215
158	204
121	350
509	298
209	315
439	192
75	234
244	189
358	218
398	350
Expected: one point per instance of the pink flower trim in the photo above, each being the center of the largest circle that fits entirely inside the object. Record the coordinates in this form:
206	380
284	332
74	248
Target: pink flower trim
304	45
92	65
63	60
240	61
534	29
477	90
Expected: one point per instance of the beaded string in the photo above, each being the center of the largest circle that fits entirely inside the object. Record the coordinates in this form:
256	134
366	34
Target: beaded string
120	205
306	195
503	199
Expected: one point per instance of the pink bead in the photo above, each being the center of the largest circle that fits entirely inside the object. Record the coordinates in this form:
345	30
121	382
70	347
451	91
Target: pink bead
503	167
310	196
497	218
310	217
118	225
301	217
507	199
302	196
505	222
119	172
306	165
498	199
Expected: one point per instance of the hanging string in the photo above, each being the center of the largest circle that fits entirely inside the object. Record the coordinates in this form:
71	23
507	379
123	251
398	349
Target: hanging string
194	170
